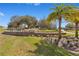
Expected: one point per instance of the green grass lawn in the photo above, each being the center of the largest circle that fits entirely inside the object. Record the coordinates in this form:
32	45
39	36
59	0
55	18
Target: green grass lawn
1	30
72	33
17	45
28	45
48	30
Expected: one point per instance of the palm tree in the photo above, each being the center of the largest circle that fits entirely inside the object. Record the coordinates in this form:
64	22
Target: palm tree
58	14
74	17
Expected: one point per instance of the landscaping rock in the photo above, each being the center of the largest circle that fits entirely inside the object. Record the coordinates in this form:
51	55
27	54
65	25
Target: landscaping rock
77	49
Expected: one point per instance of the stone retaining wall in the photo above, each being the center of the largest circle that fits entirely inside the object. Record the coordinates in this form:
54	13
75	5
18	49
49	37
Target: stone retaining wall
33	33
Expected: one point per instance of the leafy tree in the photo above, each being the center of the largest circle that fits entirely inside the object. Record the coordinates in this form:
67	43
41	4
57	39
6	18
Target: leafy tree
16	21
29	20
43	24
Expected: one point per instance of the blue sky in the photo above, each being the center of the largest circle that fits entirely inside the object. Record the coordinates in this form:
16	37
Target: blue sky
7	10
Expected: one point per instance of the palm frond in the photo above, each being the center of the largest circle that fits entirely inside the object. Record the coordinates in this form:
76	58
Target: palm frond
52	16
69	12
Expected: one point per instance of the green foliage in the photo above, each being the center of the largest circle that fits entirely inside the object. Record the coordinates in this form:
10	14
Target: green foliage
16	21
43	24
72	17
61	10
45	49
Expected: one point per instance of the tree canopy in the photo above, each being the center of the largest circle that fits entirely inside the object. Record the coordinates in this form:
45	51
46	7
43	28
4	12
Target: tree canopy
16	21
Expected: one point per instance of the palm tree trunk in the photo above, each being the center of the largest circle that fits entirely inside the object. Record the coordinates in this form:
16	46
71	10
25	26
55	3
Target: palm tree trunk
60	19
76	30
59	35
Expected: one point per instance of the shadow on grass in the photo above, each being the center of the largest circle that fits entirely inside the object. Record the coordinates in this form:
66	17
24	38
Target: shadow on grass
45	49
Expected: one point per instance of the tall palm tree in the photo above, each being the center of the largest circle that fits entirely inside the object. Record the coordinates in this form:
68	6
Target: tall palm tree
74	17
59	13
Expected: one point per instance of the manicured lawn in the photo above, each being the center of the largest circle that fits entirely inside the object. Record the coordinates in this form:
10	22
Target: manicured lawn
72	33
28	45
17	45
22	45
48	30
1	30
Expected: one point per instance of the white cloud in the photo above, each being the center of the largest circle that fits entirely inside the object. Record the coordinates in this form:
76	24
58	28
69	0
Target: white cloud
36	4
1	14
